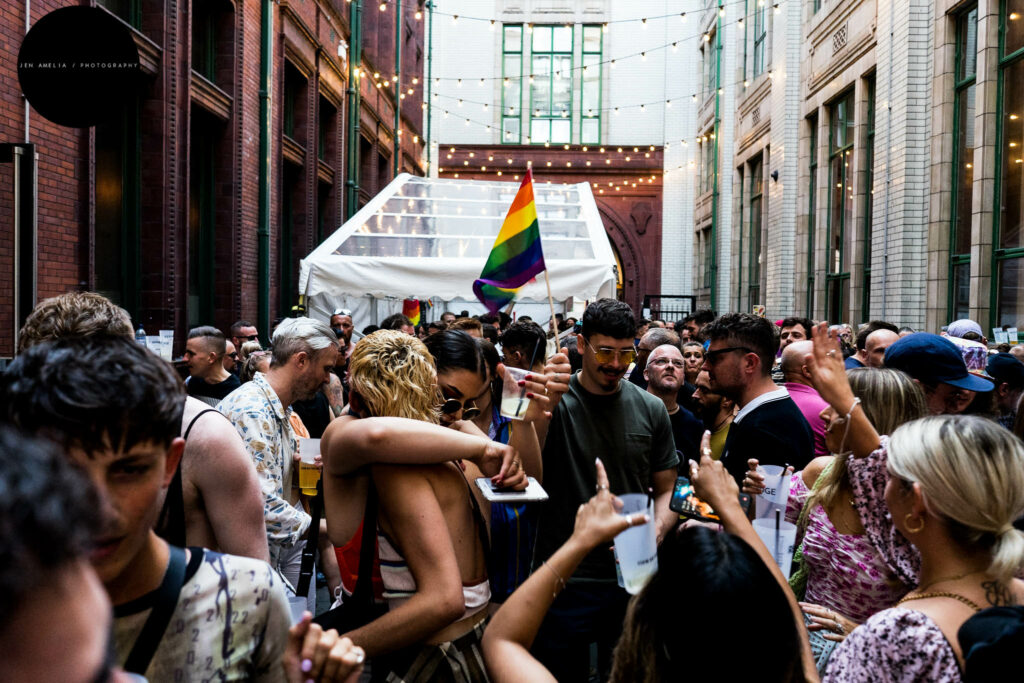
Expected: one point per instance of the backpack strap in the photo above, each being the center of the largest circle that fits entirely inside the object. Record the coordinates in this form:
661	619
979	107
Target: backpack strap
166	599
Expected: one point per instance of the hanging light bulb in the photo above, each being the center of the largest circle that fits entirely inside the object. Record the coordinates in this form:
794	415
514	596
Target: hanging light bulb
384	6
418	15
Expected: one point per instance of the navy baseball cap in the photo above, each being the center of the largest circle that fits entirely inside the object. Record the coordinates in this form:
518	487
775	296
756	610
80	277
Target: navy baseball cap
1005	367
931	359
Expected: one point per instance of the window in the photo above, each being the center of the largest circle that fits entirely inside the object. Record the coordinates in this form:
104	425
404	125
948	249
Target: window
812	214
756	195
590	98
1009	238
869	200
760	36
815	6
293	111
707	164
962	195
129	10
117	209
512	84
840	208
551	90
709	64
707	255
202	217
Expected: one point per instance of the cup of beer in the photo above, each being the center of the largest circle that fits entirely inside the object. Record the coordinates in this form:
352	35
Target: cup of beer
309	468
514	402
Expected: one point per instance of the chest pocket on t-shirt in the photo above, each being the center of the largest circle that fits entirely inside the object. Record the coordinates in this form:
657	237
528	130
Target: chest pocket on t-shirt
638	462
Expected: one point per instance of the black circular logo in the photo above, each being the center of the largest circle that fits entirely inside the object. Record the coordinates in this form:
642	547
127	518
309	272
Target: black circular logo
78	66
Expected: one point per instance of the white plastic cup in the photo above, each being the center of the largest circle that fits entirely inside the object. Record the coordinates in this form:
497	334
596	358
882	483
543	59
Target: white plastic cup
296	607
783	552
637	546
514	402
776	490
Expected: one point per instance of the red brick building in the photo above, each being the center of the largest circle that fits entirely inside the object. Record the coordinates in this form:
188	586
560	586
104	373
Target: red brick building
161	209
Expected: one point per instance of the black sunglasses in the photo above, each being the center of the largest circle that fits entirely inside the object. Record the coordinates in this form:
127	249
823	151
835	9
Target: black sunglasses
711	357
454	405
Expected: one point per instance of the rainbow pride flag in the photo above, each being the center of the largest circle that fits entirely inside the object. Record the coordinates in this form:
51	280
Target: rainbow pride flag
516	257
411	310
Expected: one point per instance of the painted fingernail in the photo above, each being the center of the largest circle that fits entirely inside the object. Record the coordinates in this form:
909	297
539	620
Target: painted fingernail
522	383
529	394
307	665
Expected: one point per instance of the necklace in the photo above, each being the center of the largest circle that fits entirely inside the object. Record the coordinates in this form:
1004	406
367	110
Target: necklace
941	594
957	577
727	418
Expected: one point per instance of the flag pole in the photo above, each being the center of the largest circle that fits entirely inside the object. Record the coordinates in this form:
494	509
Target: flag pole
551	302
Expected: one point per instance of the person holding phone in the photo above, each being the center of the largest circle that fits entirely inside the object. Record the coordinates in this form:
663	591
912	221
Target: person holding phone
705	579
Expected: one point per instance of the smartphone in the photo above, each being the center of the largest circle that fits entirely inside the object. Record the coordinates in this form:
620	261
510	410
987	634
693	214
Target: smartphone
685	502
533	493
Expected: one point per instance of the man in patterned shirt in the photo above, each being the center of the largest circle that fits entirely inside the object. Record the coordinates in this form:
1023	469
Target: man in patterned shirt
304	353
115	409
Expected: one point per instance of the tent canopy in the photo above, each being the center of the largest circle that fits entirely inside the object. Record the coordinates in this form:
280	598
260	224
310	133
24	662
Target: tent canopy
428	238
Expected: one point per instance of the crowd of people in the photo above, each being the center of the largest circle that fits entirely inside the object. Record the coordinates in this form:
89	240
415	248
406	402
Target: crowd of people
156	511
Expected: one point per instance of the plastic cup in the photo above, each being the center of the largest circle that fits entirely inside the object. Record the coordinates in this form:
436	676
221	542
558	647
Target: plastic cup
783	551
514	402
296	606
637	547
776	490
309	470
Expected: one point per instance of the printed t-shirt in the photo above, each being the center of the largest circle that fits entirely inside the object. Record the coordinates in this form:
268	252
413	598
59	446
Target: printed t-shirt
231	623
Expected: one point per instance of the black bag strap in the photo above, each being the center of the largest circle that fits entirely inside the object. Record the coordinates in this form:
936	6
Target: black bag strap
171	525
316	506
196	418
166	599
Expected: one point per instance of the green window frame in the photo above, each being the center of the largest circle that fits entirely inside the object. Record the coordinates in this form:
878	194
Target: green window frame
760	36
202	217
512	84
591	85
812	213
815	6
962	187
1007	293
869	200
129	10
756	230
840	207
707	255
551	89
709	66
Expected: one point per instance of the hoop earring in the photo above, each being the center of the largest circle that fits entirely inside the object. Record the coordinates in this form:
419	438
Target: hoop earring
906	522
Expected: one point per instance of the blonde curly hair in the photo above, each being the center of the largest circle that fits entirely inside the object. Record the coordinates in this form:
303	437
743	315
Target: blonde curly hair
394	375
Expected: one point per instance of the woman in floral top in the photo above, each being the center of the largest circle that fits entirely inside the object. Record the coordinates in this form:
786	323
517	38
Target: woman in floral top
951	487
847	579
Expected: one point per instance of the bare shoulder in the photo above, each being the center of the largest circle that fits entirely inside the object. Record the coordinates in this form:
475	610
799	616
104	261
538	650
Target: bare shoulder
815	468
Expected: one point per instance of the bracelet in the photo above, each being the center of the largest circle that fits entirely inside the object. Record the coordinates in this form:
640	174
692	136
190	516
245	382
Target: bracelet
856	402
558	588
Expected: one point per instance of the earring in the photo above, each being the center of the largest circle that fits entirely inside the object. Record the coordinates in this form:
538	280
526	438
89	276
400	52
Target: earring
906	522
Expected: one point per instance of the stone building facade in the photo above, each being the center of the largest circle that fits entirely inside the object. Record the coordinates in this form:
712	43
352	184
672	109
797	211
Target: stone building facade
876	162
160	209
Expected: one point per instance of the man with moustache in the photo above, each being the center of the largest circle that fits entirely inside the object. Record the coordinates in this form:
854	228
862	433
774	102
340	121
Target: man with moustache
715	411
597	415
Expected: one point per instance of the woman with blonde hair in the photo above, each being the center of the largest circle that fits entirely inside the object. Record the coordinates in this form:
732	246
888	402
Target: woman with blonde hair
429	532
937	501
693	360
842	579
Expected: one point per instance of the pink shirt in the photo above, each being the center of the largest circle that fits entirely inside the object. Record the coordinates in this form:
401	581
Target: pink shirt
811	405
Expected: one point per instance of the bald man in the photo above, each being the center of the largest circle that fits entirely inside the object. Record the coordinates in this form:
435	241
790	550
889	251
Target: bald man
798	383
875	346
664	373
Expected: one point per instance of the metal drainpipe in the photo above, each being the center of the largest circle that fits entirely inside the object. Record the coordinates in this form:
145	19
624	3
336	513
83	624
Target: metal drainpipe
888	176
28	25
718	142
263	220
354	63
430	65
397	141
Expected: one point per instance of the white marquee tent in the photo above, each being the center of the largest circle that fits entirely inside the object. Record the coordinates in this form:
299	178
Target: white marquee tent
428	238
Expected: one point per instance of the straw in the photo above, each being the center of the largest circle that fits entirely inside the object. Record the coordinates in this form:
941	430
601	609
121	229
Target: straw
522	394
778	523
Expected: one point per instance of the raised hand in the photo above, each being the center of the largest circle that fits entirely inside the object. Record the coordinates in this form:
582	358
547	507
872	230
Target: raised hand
598	520
828	371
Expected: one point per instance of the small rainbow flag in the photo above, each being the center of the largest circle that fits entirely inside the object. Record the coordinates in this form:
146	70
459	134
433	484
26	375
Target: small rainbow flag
516	257
411	310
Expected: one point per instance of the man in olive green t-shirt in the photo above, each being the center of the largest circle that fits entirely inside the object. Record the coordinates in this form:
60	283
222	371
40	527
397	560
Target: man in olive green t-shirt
599	416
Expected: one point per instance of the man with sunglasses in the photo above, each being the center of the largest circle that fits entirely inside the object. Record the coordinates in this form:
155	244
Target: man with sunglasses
739	362
597	415
243	331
